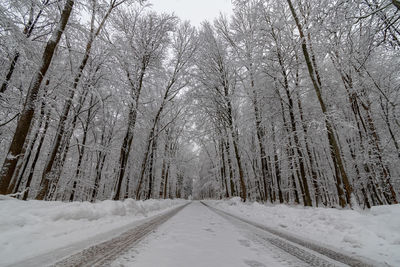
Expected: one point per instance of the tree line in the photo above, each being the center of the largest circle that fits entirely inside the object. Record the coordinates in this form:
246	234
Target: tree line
291	101
300	100
92	97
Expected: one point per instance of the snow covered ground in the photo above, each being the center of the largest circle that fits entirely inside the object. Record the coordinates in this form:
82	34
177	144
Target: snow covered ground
31	228
371	233
199	237
34	228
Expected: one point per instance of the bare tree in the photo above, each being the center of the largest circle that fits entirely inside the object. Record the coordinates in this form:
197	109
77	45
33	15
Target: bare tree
26	116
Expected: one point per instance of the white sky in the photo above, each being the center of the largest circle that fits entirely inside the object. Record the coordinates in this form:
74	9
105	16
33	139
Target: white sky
194	10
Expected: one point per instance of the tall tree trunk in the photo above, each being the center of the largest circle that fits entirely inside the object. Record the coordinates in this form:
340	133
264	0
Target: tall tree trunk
314	174
166	180
276	164
126	145
266	178
304	182
223	167
101	158
235	141
49	173
144	162
82	150
36	158
125	150
9	73
151	170
340	173
366	130
152	134
290	153
15	183
19	174
389	126
25	119
384	171
164	164
230	167
61	155
99	169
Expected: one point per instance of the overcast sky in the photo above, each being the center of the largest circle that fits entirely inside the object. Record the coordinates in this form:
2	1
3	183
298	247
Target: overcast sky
194	10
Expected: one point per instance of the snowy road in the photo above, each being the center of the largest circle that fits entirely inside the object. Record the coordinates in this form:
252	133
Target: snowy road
90	250
307	251
104	253
198	236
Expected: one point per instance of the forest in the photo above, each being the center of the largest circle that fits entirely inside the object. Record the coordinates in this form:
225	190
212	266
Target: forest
292	101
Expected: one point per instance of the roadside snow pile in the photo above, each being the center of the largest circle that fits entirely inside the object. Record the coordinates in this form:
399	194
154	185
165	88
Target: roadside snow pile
30	228
371	233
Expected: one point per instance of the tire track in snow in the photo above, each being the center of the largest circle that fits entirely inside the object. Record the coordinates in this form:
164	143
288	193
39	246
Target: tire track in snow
309	252
104	253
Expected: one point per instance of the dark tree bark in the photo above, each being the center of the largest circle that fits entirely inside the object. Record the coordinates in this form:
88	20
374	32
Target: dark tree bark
304	182
290	152
36	158
82	150
230	167
340	173
314	175
105	141
125	150
150	140
233	132
136	87
19	173
151	170
164	164
9	73
25	120
276	165
54	157
223	167
166	181
63	149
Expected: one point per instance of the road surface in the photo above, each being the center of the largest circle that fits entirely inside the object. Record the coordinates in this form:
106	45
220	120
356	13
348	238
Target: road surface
198	235
202	236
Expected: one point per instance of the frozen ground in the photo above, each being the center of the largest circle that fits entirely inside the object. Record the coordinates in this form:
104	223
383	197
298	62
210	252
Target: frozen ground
32	228
199	237
45	232
371	233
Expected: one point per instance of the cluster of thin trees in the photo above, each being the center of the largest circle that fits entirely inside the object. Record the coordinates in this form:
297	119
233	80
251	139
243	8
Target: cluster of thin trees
293	101
91	98
301	102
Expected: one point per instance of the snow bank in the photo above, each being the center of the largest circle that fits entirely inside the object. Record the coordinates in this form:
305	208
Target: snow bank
371	233
30	228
